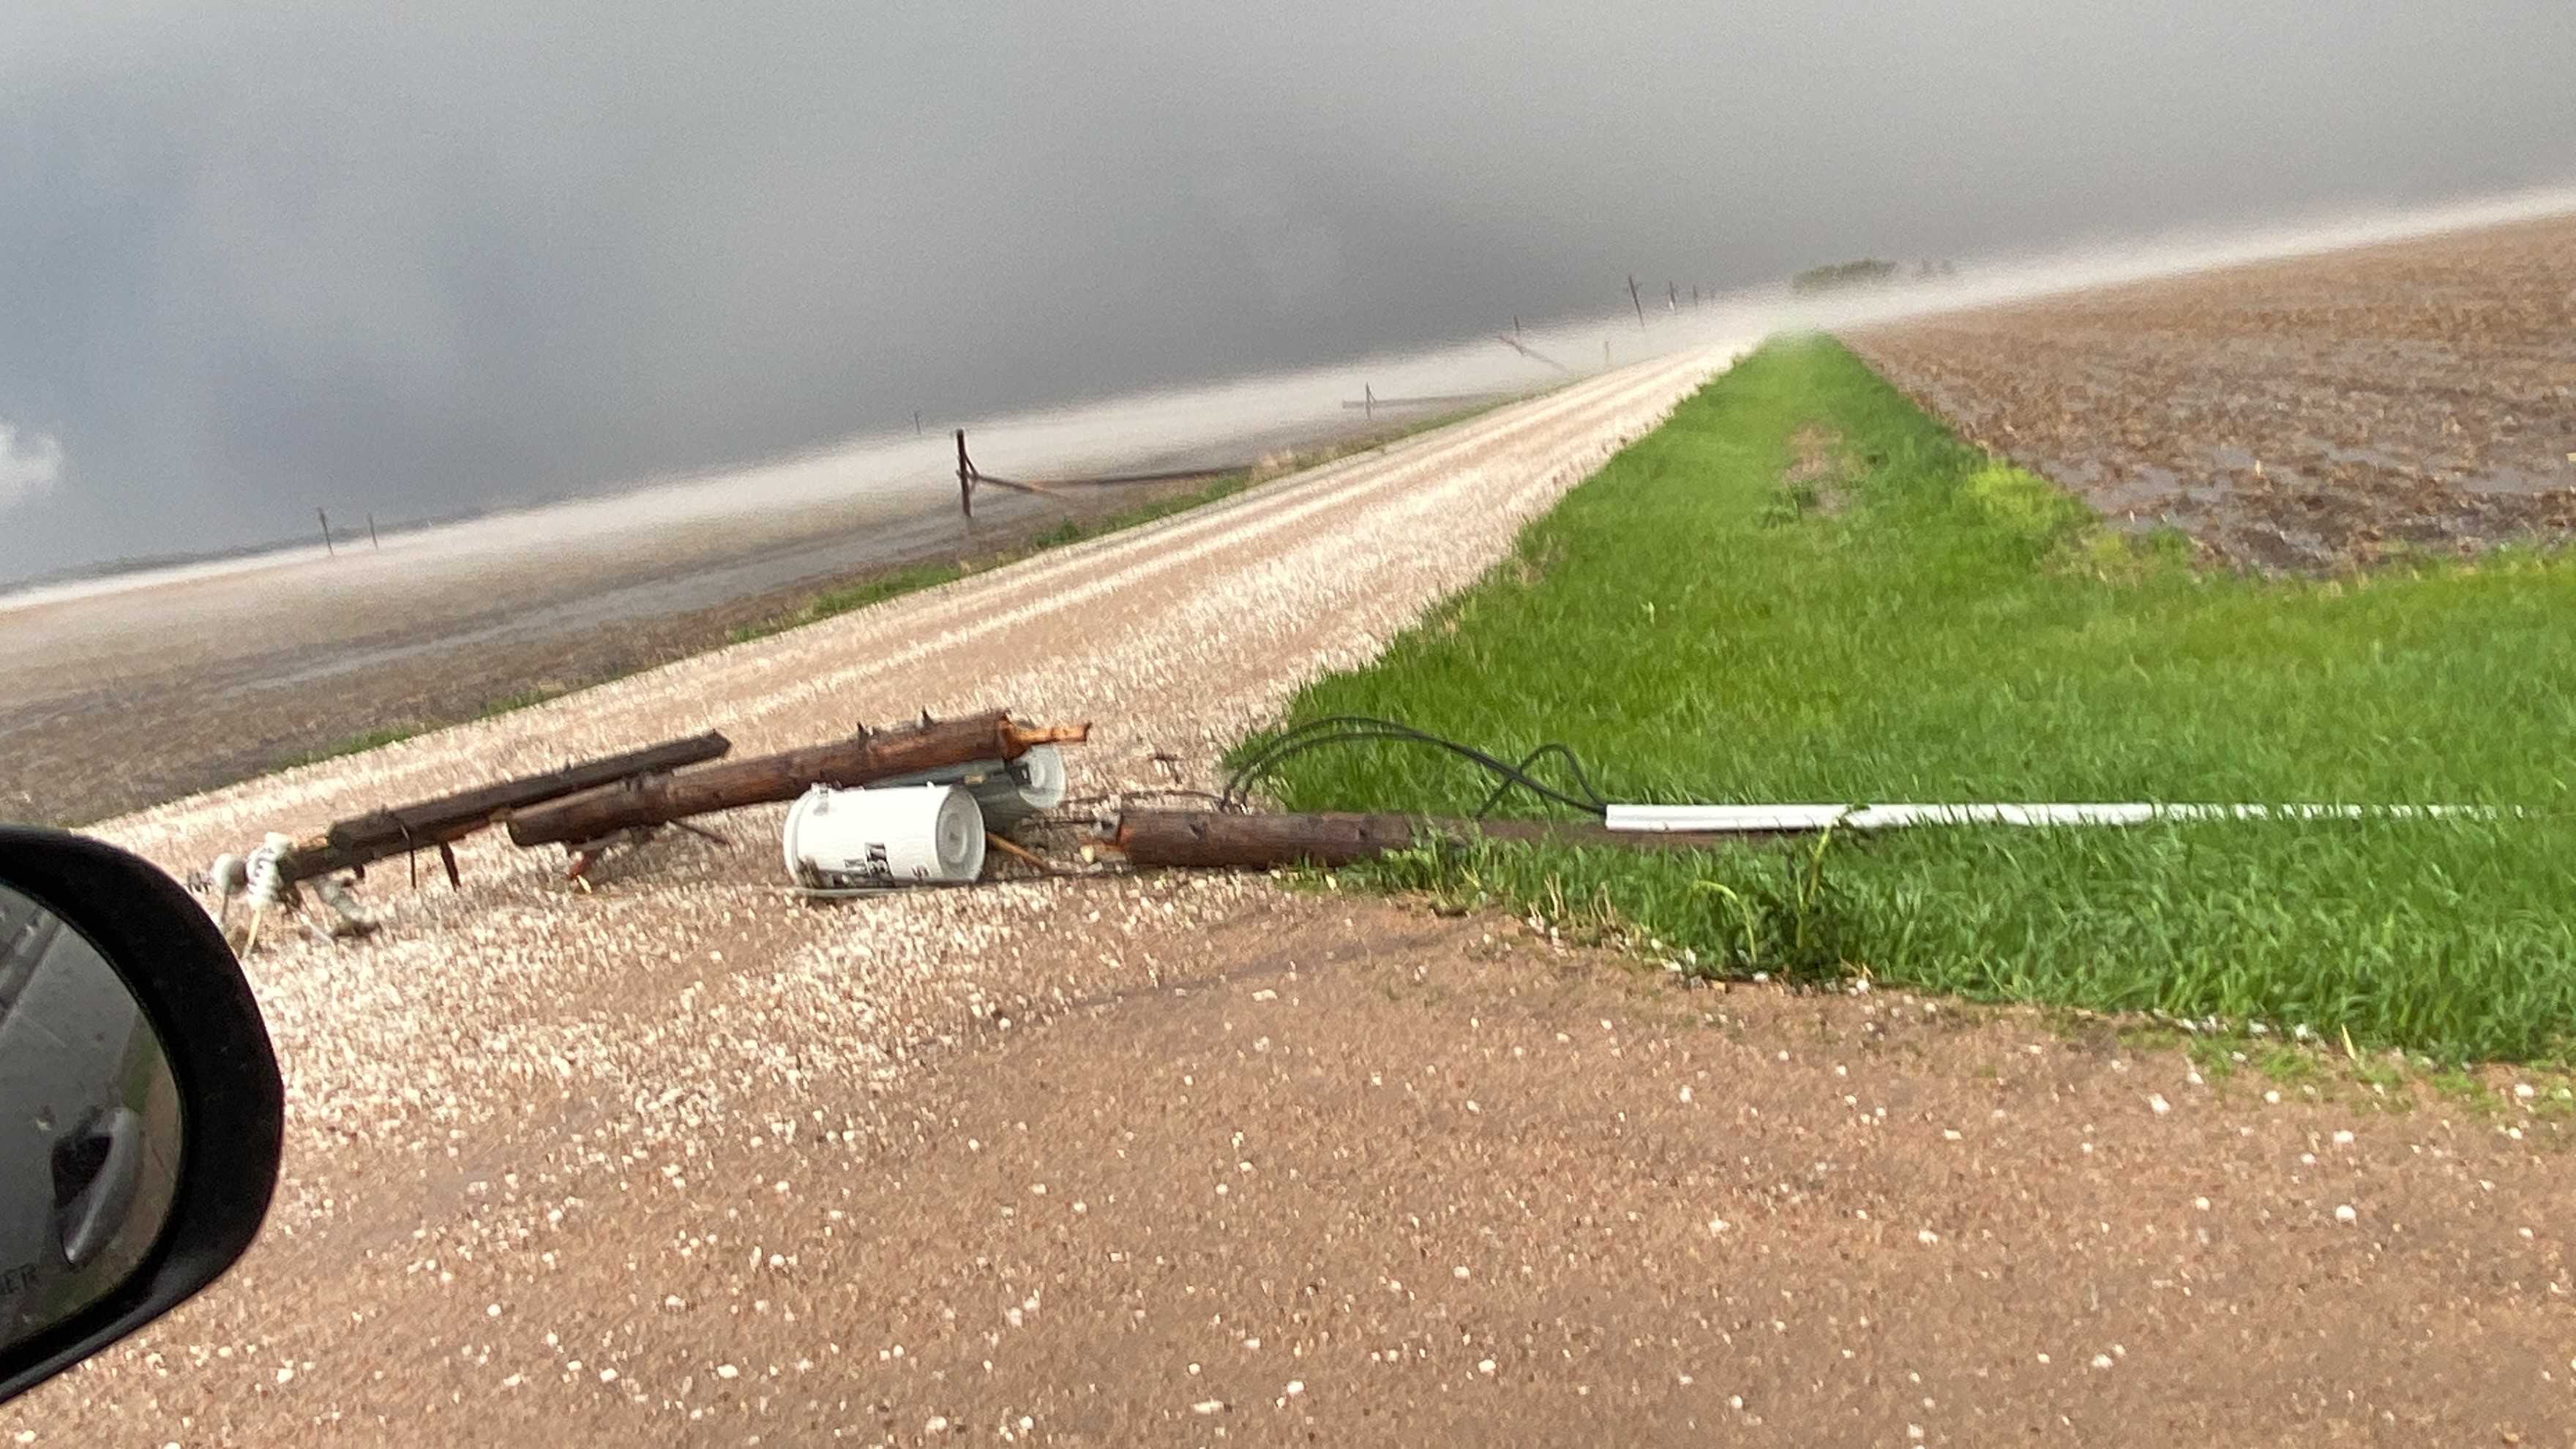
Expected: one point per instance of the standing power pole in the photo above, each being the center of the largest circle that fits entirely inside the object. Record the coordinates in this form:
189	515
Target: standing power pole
1694	295
327	550
1368	401
916	422
1605	352
1516	327
1672	297
373	541
965	479
1633	302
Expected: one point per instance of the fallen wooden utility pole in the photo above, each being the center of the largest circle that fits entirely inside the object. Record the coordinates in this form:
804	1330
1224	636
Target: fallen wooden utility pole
661	799
361	841
1227	841
1532	353
1372	402
969	476
271	874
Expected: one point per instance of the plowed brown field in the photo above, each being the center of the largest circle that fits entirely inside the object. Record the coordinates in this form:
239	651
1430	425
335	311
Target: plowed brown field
2300	415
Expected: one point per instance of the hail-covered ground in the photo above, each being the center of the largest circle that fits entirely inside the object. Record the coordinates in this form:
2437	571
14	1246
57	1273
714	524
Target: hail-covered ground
1189	1159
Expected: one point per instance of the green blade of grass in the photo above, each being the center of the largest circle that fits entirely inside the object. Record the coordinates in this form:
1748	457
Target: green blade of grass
1700	629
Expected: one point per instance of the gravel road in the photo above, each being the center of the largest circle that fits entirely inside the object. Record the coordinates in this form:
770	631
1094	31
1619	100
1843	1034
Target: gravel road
1195	1159
495	1046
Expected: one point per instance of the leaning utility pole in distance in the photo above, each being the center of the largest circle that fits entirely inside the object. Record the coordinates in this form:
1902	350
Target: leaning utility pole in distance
1633	302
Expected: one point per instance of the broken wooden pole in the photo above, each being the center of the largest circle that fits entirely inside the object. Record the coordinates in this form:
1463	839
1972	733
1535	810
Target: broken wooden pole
1221	840
1050	488
869	757
1254	842
431	824
1532	353
1038	490
1167	475
1427	400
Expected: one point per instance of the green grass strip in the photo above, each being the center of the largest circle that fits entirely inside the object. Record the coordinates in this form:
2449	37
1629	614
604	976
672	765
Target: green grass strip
1803	589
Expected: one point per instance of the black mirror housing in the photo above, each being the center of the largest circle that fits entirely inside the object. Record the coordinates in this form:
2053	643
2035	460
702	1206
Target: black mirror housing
188	988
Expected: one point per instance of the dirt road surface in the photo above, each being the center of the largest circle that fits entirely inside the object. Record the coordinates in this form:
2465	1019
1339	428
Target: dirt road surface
2300	415
1197	1160
1227	1165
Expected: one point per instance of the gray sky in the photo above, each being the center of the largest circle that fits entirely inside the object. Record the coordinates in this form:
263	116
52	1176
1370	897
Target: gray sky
419	259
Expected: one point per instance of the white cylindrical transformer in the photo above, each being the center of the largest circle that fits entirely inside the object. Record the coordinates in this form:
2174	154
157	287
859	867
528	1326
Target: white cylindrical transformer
1033	783
884	836
1009	790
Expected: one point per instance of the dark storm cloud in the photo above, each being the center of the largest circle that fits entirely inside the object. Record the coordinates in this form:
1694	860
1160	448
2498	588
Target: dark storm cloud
416	260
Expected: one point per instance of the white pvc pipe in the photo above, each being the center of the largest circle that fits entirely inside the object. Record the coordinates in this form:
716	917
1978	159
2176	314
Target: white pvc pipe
1733	819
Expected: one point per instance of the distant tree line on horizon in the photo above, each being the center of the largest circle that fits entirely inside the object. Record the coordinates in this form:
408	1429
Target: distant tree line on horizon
1867	272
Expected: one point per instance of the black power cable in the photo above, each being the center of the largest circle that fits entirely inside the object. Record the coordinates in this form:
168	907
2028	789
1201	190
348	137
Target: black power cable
1162	792
1598	806
1357	728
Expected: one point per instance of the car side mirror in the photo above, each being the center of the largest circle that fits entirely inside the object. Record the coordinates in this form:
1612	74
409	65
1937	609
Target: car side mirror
140	1108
